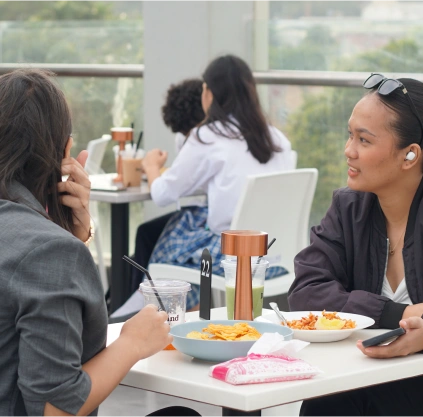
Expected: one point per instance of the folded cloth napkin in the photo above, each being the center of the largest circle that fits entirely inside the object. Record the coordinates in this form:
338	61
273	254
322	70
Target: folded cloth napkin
268	360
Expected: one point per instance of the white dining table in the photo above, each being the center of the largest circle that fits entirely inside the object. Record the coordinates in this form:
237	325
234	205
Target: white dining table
344	368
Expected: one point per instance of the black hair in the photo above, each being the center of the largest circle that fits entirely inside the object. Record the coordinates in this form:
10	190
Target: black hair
35	125
236	104
182	110
405	124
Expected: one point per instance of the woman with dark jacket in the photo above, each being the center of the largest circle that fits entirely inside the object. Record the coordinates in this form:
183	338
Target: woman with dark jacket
365	257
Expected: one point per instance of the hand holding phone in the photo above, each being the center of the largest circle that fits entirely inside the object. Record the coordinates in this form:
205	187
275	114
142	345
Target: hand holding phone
384	338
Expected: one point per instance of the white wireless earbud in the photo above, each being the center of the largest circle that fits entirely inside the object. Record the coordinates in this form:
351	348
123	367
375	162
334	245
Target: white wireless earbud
410	156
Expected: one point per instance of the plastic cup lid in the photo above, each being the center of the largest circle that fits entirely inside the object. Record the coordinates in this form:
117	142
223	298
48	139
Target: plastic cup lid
165	285
231	263
121	129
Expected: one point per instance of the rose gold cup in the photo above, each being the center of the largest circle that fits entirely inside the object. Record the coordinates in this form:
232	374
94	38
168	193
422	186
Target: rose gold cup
121	135
243	244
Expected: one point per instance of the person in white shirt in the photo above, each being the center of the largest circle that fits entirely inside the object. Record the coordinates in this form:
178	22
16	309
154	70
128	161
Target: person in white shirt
181	112
233	141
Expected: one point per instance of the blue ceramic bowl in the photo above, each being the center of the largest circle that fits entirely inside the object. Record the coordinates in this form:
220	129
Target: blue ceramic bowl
215	350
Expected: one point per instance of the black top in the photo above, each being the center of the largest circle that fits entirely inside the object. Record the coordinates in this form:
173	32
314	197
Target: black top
344	266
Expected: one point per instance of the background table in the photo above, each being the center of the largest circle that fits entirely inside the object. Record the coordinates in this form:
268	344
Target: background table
120	289
344	368
119	200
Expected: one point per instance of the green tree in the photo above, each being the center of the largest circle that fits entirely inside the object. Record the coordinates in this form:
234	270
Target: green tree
75	10
79	32
298	9
312	53
318	128
55	10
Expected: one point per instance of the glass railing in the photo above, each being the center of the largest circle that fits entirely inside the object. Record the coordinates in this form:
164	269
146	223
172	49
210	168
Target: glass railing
311	107
319	53
99	96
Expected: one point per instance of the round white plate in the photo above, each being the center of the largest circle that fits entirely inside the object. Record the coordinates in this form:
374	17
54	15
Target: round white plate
322	335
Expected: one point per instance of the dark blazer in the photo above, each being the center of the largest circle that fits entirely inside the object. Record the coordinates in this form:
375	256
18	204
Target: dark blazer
344	266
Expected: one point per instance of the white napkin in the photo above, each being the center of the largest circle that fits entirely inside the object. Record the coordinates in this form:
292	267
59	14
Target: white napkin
275	344
262	319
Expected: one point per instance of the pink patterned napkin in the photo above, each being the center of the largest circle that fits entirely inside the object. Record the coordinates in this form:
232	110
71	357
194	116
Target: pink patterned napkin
269	360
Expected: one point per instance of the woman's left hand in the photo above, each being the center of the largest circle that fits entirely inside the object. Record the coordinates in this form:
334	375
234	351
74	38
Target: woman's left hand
75	193
410	342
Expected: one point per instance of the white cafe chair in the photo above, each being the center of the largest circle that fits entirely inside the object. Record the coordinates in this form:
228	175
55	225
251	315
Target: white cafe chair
294	158
96	149
278	204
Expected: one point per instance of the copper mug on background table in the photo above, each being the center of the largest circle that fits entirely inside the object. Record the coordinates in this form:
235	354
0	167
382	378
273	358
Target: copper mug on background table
243	244
122	135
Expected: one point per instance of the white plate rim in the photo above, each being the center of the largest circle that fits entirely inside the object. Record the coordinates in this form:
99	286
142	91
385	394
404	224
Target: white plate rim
323	335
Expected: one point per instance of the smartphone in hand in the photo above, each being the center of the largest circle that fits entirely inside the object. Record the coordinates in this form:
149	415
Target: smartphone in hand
384	338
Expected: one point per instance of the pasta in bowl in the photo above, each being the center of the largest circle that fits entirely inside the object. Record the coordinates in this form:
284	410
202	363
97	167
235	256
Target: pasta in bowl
322	326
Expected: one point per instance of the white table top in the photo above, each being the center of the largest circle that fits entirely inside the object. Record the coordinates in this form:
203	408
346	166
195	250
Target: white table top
344	367
131	194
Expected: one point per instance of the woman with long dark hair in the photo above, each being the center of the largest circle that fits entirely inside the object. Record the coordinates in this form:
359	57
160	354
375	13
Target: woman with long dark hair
233	141
53	320
233	107
181	112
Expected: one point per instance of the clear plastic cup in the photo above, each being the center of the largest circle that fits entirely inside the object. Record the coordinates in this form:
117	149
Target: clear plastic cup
173	296
258	272
131	171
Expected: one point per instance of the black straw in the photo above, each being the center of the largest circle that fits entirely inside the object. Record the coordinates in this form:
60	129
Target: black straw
261	257
138	142
138	266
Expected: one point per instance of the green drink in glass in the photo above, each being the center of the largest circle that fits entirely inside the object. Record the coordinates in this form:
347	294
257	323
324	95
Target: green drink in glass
259	271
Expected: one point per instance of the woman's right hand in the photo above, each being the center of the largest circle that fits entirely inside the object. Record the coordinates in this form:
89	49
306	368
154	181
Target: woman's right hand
155	158
147	332
410	342
152	162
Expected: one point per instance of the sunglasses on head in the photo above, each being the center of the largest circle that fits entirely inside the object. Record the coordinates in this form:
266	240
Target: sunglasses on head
386	87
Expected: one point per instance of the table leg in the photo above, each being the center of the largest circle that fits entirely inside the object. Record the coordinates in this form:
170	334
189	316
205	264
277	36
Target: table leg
120	283
232	412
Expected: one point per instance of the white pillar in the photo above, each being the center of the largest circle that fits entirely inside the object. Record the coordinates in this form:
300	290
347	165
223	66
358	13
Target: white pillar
261	47
180	39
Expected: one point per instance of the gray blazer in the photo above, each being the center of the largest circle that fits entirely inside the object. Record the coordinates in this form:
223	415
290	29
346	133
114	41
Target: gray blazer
53	315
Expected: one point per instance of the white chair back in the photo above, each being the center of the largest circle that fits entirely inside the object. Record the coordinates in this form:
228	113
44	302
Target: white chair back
294	158
96	149
280	205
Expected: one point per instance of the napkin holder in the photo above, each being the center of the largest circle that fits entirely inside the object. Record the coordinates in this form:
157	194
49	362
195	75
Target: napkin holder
243	244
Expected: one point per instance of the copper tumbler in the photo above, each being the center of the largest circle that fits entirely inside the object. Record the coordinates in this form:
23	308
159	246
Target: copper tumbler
243	244
121	135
